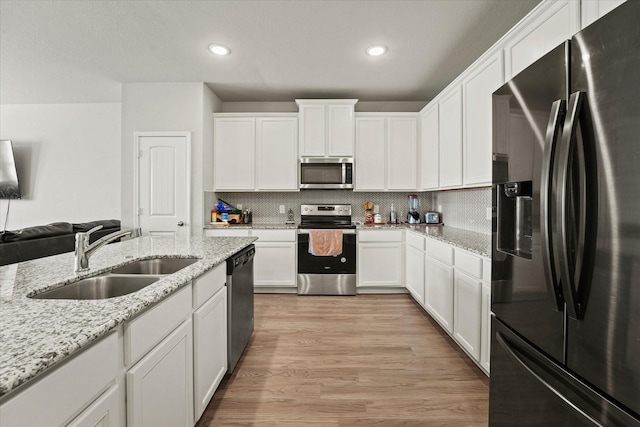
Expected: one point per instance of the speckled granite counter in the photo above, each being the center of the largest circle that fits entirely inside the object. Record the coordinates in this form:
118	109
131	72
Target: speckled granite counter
479	243
37	334
472	241
256	226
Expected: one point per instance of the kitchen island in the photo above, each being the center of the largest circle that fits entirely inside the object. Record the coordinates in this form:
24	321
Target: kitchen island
39	334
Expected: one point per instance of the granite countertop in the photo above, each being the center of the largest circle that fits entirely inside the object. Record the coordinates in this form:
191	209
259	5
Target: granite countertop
472	241
478	243
37	334
255	226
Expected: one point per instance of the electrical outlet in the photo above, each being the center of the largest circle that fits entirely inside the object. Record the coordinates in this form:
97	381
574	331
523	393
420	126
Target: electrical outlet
239	206
440	208
489	213
282	209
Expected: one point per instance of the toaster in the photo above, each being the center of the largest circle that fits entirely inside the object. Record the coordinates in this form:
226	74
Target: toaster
432	218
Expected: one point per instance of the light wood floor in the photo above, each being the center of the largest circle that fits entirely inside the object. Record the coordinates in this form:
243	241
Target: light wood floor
369	360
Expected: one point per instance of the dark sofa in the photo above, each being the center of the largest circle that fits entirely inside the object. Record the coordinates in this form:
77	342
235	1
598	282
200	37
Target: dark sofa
46	240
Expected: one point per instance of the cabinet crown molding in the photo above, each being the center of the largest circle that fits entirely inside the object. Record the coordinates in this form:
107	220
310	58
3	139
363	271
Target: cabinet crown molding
326	101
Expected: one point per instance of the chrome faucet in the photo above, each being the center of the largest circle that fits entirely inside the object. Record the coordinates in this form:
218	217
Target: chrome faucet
84	250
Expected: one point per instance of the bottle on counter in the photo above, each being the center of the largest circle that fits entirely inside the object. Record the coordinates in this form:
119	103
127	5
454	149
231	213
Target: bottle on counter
393	219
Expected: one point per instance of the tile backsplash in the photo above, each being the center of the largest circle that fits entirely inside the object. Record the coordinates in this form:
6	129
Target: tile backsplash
466	209
266	206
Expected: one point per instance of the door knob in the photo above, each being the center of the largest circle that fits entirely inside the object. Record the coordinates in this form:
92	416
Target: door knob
180	223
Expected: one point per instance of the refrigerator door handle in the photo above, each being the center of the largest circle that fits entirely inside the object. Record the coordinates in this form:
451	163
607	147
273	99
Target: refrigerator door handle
549	262
572	276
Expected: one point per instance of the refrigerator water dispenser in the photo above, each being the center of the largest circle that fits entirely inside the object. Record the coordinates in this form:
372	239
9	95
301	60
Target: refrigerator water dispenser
514	218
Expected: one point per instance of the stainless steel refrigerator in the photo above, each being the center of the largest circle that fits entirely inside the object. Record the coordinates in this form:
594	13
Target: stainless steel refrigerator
566	252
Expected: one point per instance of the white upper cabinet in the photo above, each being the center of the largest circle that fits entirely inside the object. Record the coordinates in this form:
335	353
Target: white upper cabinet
429	149
477	89
547	26
385	158
402	140
256	152
592	10
340	129
313	129
234	153
370	153
326	127
277	153
450	125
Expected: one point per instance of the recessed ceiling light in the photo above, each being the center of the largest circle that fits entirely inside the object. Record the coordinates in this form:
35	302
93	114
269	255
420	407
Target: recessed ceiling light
376	50
218	49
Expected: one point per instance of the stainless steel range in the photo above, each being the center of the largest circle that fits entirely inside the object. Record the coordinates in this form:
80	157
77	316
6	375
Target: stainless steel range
333	273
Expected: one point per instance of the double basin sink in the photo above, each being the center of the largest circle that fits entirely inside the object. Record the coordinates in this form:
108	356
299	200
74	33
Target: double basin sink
119	281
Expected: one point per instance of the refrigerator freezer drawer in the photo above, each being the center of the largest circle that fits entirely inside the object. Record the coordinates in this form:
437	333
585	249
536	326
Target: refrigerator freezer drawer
522	378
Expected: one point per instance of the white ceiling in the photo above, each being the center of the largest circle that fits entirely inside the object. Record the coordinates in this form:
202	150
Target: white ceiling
81	51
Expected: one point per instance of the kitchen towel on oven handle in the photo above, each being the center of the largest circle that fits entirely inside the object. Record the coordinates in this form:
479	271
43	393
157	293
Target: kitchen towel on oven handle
325	242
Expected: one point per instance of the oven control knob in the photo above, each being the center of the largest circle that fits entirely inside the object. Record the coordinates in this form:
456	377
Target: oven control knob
343	260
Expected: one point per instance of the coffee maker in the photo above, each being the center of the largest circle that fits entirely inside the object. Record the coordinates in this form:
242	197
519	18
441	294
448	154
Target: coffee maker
413	216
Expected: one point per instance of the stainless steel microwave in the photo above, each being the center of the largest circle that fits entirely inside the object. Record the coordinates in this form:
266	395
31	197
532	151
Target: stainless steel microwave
326	173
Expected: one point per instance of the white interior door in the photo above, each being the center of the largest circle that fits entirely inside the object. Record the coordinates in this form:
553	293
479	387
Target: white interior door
163	184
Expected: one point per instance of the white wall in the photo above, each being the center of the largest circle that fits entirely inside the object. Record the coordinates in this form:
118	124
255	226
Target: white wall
166	107
68	159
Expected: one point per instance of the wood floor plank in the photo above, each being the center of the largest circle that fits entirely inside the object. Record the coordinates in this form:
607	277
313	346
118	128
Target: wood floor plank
374	360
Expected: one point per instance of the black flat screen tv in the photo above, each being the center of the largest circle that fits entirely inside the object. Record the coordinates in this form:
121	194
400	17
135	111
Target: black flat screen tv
9	186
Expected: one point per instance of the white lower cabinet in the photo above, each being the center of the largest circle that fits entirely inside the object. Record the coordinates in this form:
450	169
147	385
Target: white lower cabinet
380	258
209	349
439	292
107	411
467	313
457	294
275	262
160	385
414	271
485	333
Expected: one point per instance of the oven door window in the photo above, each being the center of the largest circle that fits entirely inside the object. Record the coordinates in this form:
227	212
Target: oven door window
318	173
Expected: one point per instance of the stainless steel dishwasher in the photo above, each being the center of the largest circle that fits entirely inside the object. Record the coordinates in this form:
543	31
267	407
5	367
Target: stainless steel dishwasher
239	304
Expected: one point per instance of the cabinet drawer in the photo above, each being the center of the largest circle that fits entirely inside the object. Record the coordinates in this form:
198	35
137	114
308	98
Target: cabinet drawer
468	263
227	233
440	251
206	286
67	389
380	235
486	270
415	240
145	331
274	235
